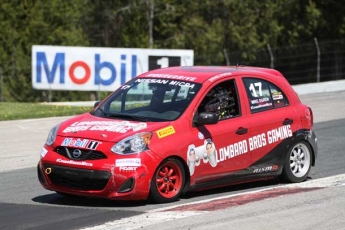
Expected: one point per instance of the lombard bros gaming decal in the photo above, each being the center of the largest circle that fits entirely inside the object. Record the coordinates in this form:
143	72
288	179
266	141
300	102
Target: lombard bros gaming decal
209	154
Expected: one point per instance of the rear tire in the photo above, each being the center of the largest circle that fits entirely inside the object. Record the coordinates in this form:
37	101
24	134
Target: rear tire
297	163
168	181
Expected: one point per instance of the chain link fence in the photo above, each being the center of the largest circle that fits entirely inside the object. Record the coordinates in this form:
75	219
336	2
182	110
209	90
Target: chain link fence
304	63
316	61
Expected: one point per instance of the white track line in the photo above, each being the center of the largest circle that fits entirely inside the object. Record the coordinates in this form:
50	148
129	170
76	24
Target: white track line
161	215
321	183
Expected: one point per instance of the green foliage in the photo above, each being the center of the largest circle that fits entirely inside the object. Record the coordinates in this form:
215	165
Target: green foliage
13	111
332	19
240	27
26	23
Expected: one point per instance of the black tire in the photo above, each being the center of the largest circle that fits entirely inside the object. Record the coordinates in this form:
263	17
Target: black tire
168	181
297	163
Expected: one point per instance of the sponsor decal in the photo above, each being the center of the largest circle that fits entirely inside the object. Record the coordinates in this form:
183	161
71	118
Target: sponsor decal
260	103
218	76
80	143
165	132
261	106
266	169
171	76
181	83
166	82
201	136
192	159
210	154
128	169
257	141
277	96
71	162
259	100
135	162
110	126
43	152
232	151
157	81
139	126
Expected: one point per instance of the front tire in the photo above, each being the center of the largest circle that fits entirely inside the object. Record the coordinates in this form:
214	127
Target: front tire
168	181
298	163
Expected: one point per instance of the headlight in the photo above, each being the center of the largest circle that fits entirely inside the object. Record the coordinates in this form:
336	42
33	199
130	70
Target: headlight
132	144
52	135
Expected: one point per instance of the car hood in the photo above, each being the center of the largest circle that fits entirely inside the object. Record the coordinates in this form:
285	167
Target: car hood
90	127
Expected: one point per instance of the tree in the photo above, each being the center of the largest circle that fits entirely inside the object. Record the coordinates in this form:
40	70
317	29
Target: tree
35	22
241	27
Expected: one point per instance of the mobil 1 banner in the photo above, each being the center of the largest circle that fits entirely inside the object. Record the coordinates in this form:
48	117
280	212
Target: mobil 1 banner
156	62
94	69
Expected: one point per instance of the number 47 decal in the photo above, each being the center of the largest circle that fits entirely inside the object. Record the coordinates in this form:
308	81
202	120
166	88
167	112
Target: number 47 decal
253	87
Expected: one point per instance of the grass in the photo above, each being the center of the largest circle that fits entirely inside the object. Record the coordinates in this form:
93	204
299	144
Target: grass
14	111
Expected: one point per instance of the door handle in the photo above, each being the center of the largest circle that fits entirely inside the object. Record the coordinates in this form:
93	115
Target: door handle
287	121
241	131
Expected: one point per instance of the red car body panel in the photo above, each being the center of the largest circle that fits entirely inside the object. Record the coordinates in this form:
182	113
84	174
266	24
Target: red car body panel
235	154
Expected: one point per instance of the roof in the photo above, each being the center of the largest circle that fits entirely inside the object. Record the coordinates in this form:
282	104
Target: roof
202	73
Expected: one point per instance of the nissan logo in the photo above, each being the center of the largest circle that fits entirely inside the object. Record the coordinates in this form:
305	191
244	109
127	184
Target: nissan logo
76	153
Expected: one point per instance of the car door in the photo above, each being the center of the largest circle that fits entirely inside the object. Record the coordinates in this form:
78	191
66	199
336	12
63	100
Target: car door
221	148
271	122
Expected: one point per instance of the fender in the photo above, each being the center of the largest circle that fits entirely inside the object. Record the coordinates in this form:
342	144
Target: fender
310	137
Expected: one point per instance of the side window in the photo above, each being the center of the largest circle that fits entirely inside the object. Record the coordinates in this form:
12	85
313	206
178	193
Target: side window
263	95
177	93
182	93
222	99
279	98
169	95
115	106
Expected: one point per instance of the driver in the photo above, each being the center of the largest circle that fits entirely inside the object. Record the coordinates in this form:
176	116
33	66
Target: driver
218	101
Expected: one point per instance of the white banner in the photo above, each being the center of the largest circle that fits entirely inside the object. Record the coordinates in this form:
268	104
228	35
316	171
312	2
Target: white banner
98	69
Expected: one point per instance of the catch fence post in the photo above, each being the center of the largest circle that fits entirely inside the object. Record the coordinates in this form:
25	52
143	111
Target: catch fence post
271	55
226	57
318	60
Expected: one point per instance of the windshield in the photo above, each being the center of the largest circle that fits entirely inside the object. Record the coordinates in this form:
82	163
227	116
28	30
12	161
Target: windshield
149	99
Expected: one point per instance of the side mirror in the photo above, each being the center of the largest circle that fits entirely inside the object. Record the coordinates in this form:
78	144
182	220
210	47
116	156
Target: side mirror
207	118
96	104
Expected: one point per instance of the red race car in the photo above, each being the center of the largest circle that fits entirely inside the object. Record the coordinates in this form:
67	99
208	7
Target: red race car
179	129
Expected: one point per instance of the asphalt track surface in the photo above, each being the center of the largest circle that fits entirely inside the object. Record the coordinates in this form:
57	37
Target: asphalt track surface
24	204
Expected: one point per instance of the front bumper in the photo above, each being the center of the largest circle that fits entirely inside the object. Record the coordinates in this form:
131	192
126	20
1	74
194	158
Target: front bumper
104	179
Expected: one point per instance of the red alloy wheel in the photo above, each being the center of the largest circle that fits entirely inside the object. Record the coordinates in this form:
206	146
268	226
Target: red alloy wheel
169	179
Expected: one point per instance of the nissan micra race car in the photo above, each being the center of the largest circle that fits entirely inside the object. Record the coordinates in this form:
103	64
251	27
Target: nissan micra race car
180	129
